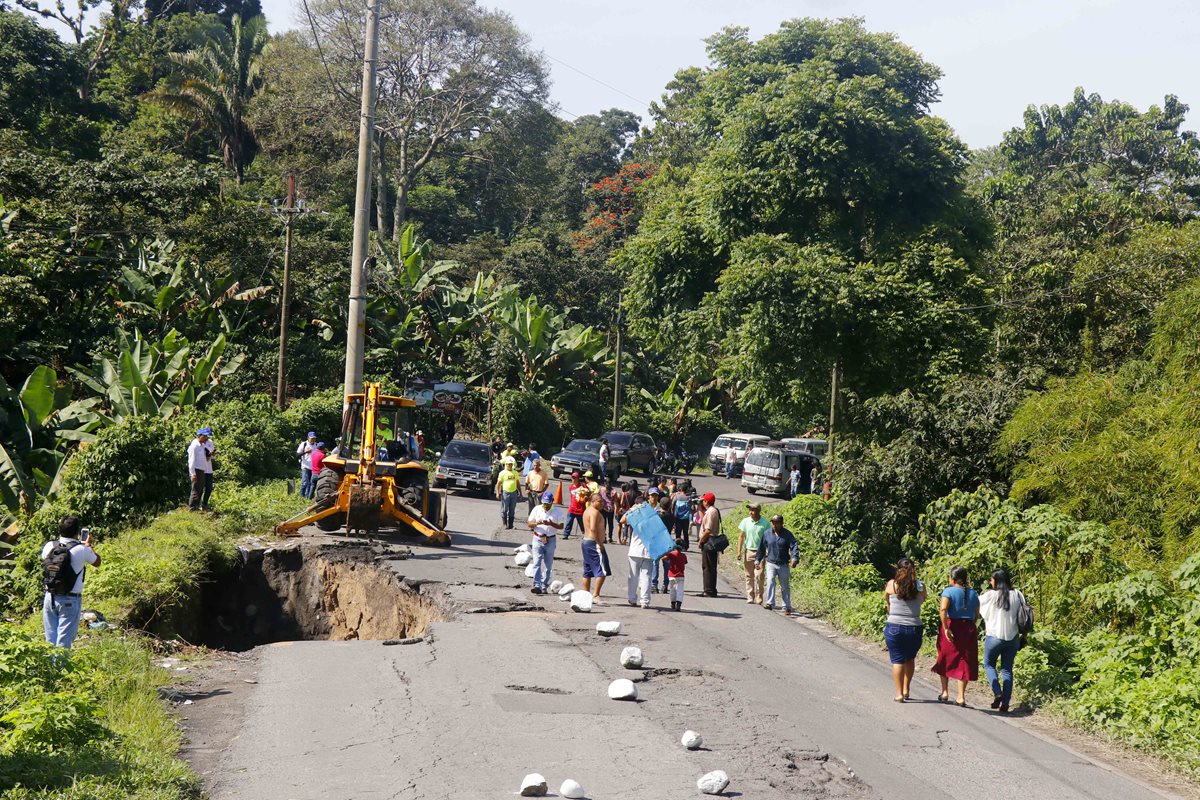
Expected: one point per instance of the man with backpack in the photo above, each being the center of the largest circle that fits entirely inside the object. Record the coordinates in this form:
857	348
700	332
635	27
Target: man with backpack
304	451
63	563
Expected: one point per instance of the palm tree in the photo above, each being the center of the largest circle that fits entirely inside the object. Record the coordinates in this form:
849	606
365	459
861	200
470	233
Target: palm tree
213	84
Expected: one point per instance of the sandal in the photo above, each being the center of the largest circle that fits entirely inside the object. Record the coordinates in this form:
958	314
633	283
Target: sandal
944	697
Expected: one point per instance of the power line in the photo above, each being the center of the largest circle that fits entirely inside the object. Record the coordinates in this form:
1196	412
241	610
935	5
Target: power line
597	80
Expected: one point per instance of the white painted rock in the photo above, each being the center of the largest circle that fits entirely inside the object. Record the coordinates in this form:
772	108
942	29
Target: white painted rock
521	548
581	601
610	628
522	558
534	785
564	591
713	783
570	788
692	740
530	570
555	586
622	689
631	658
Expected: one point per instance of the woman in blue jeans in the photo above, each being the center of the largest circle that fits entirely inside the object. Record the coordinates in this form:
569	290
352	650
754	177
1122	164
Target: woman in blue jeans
904	595
998	607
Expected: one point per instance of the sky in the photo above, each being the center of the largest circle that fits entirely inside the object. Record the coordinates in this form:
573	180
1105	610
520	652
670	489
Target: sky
997	57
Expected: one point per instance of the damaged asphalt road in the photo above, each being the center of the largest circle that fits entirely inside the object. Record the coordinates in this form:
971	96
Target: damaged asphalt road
512	684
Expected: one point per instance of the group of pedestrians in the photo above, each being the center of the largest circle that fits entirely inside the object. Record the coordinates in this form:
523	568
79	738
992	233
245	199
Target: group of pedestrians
1006	616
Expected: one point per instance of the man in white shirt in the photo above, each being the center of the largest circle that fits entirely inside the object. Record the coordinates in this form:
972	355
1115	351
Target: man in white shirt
545	521
307	485
63	563
604	455
200	469
730	461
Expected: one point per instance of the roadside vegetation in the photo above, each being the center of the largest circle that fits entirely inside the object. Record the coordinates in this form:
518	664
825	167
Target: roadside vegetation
1012	328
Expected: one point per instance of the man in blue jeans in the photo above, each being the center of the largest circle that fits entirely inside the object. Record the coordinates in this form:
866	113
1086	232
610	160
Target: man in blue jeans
778	552
545	521
63	563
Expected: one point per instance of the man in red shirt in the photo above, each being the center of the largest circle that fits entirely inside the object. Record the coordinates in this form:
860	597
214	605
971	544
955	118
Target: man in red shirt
675	562
318	458
577	504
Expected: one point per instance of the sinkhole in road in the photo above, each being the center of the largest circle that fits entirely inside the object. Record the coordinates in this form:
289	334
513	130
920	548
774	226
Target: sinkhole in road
304	592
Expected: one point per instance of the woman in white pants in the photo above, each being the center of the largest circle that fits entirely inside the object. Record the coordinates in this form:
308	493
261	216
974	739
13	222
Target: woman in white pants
640	564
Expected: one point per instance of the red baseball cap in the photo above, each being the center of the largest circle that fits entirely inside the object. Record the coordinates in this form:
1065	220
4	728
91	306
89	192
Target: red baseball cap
709	498
575	474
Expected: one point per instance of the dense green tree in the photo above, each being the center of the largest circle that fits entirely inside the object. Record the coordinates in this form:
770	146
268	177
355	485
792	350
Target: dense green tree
818	210
212	86
591	148
1077	179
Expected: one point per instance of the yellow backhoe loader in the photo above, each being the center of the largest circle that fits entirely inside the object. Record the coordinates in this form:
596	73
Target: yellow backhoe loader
370	479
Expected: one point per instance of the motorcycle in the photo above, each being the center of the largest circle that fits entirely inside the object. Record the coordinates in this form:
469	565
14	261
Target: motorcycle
685	462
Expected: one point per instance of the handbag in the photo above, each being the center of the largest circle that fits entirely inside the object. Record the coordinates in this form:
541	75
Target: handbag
1024	617
718	542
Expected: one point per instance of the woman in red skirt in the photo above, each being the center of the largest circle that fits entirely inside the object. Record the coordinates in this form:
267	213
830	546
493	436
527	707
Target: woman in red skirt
958	641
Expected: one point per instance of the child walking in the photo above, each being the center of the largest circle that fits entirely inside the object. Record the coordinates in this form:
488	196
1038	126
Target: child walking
675	562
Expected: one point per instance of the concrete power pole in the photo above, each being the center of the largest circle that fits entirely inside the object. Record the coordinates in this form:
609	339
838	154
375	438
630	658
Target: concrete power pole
289	212
834	390
356	321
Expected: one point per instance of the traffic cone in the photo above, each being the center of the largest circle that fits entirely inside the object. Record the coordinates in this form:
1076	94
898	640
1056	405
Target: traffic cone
558	494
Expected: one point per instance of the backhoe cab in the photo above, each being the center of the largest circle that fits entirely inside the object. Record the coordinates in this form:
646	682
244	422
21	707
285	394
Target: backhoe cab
371	479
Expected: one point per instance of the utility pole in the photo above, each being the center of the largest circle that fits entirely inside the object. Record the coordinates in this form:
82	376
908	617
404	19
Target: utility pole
289	212
834	389
356	321
616	419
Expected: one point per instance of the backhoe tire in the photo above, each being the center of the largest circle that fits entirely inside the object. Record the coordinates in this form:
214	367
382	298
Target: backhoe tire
412	491
324	496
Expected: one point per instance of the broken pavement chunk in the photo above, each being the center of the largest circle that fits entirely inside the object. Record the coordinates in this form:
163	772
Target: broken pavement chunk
581	601
534	785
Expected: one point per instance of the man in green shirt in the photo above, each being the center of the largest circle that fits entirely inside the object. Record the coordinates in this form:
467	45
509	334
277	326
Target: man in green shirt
750	534
508	491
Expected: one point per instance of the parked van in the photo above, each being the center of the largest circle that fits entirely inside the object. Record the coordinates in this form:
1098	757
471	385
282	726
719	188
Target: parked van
768	469
740	442
816	447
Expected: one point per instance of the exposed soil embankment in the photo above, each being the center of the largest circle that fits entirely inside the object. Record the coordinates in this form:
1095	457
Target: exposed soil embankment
305	591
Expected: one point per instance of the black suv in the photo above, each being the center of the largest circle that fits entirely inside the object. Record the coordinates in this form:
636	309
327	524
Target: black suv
465	465
636	450
584	455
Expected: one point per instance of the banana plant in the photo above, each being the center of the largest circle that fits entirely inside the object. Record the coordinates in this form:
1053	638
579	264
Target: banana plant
173	292
552	355
154	378
38	426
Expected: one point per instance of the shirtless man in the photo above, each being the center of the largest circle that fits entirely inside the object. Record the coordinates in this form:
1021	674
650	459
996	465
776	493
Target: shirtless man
595	559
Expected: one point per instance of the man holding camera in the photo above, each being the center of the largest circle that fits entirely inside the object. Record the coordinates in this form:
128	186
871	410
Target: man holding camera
63	563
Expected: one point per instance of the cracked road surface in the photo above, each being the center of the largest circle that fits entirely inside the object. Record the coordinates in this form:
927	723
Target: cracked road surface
784	707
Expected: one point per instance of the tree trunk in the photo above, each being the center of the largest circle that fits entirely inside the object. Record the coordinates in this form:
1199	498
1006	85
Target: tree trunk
382	217
400	211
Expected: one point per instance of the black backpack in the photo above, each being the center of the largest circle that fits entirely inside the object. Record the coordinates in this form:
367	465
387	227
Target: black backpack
1024	617
58	576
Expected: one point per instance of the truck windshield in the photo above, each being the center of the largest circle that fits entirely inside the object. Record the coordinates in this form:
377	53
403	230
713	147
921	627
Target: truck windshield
467	451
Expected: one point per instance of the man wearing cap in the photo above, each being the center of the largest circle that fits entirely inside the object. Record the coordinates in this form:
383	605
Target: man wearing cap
531	456
508	491
778	551
545	521
750	533
318	459
577	503
200	469
710	526
592	484
304	451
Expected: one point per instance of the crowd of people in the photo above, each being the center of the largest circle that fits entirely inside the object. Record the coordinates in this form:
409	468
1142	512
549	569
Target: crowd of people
766	551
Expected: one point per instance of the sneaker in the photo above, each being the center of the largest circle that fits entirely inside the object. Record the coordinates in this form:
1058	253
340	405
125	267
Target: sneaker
645	605
787	612
996	701
768	608
1003	708
536	590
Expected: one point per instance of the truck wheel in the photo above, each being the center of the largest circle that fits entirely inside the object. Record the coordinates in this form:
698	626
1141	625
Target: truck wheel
752	489
324	496
649	470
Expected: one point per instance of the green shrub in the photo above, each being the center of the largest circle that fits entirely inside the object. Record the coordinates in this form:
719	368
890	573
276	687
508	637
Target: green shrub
132	470
86	725
251	437
320	412
256	509
523	417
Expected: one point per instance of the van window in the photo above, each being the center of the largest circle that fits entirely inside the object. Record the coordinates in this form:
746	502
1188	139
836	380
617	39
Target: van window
819	449
755	459
770	459
722	441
